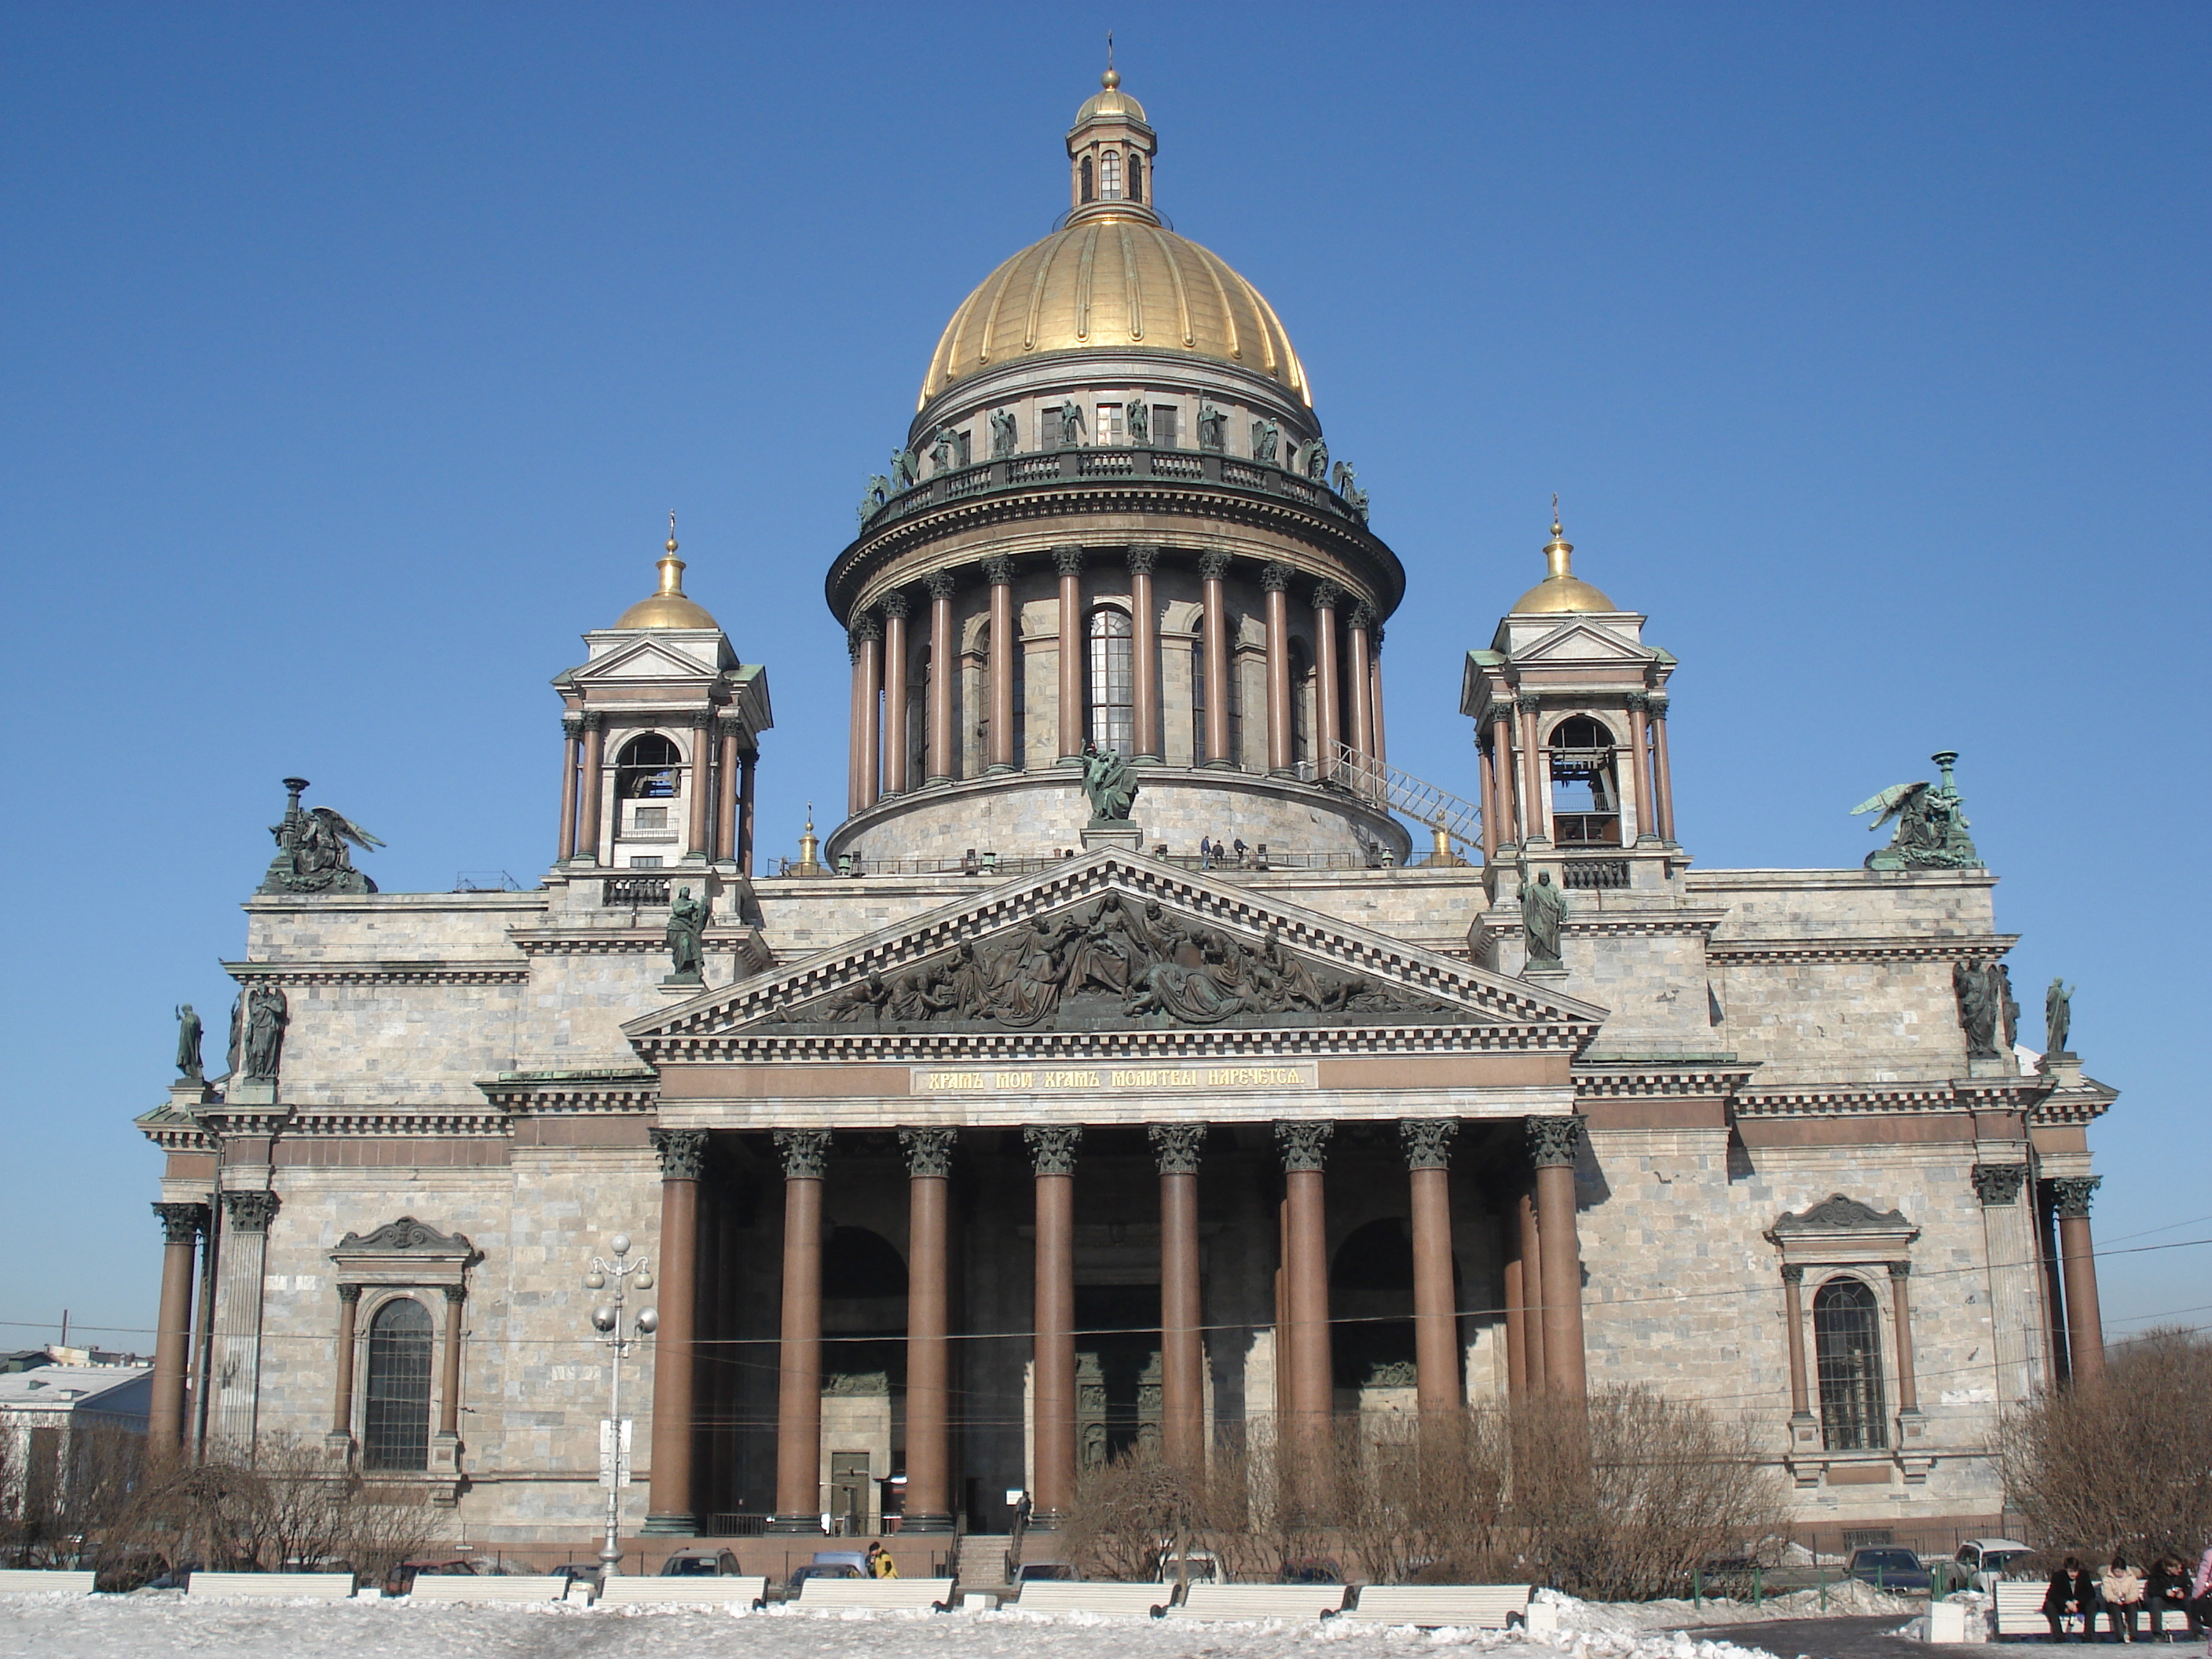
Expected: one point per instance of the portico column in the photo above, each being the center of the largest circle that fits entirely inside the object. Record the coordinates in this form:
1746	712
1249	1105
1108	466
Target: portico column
798	1355
1304	1147
1428	1142
1536	791
1144	642
1212	568
1357	670
2077	1257
1069	561
725	793
1182	1346
1532	1289
943	656
1486	787
1326	705
745	764
897	759
683	1162
572	746
1793	1315
1274	582
449	1402
870	630
592	784
342	1393
1663	770
701	779
181	1226
1552	1142
1052	1156
1501	769
1900	1301
1375	692
1005	663
1639	748
928	1337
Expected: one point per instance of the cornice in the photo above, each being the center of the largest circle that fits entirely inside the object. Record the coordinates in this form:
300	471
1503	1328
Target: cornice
635	1093
746	943
1939	948
1656	1078
380	973
1945	1095
353	1123
951	1047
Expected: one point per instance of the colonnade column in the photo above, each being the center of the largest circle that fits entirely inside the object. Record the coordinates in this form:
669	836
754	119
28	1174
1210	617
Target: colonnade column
1639	750
746	762
1663	770
854	649
1182	1346
897	758
181	1226
1357	670
1428	1142
1487	792
1327	732
449	1380
1145	642
1069	561
928	1330
2078	1261
1052	1483
1375	692
1212	568
944	654
702	783
1501	770
726	792
1536	791
572	745
682	1163
592	785
1531	1240
1005	663
1553	1143
805	1154
1304	1147
1275	581
871	629
342	1396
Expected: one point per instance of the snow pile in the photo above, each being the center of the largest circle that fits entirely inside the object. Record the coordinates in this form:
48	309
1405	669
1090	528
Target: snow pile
1849	1598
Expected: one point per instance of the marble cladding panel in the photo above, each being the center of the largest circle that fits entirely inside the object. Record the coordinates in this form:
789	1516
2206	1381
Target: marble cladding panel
1870	1022
413	1044
1843	903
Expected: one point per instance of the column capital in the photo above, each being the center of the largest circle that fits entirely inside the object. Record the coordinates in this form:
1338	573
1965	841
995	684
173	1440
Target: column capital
1212	566
1900	1270
181	1223
1427	1141
1053	1149
1304	1145
896	603
1639	700
852	644
1069	561
1793	1272
1361	617
941	584
928	1151
250	1211
455	1294
806	1153
1657	702
1177	1147
868	625
350	1293
1143	558
683	1153
593	719
1326	596
1501	710
999	570
1999	1183
1375	641
1553	1141
572	726
1529	701
733	724
1275	578
2073	1194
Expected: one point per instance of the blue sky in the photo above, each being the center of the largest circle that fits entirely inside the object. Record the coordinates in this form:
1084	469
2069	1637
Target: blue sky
354	356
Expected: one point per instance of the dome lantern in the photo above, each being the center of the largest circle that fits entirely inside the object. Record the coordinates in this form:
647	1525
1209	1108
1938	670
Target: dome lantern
1561	589
1110	156
668	605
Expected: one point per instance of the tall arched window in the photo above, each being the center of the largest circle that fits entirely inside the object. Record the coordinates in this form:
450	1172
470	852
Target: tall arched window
1109	176
1084	171
646	769
1136	178
395	1428
1585	784
1197	755
1113	680
1847	1338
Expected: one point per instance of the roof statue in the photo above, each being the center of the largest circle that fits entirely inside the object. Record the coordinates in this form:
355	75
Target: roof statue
1931	824
1109	784
312	849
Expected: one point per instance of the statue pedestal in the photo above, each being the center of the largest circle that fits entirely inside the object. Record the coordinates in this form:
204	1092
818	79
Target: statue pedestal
2064	1065
1554	973
251	1092
1123	837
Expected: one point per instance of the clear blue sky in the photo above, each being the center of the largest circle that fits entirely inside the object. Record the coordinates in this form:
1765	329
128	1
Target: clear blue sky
354	355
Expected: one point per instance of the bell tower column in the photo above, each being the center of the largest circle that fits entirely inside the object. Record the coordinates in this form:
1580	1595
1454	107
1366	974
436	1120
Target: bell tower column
725	790
700	782
1501	772
1663	768
593	785
1274	580
572	747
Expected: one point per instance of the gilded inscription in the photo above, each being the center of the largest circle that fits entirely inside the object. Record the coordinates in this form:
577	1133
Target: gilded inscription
1096	1079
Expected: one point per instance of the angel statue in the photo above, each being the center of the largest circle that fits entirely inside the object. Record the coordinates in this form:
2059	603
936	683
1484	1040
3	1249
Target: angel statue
1110	783
1002	434
312	855
1931	824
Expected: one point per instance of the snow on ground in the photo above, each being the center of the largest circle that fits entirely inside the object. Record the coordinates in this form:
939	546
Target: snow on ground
163	1626
1849	1598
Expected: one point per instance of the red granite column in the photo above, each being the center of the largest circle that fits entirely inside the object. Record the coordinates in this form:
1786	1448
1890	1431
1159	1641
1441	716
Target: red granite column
1358	670
1328	693
593	785
181	1226
928	1336
1487	792
1516	1332
2077	1257
1069	561
1532	1289
572	747
725	793
1304	1148
1908	1388
852	723
1436	1304
1375	692
943	659
1274	580
897	757
798	1355
1639	746
1145	644
701	783
342	1392
683	1162
870	630
1052	1156
1793	1312
1183	1341
745	765
1214	619
1501	766
1005	663
1662	770
1536	784
1552	1142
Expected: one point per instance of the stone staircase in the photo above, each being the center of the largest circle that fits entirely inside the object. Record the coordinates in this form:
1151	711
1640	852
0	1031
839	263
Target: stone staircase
980	1563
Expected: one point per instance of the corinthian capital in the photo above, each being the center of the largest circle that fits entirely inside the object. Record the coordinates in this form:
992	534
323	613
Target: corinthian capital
806	1153
1553	1141
683	1153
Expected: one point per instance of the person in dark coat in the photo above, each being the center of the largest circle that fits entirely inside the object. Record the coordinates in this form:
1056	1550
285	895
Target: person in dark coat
2072	1591
2166	1591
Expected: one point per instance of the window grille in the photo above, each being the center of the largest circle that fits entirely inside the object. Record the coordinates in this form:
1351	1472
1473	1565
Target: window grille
649	818
1084	173
1113	680
1197	755
396	1431
1109	176
644	861
1847	1339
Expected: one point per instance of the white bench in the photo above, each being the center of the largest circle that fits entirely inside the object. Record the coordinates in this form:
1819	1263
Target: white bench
2020	1613
24	1580
278	1586
885	1594
1475	1607
688	1589
1259	1602
443	1586
1125	1600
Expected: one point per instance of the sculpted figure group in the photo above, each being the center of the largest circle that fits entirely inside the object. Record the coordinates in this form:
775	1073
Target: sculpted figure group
1141	964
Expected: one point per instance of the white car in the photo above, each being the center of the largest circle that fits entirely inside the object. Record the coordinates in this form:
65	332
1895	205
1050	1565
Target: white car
1984	1560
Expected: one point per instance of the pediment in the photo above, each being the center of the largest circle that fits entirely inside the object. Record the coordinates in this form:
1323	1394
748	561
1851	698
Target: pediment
1839	1214
1113	943
647	660
1581	642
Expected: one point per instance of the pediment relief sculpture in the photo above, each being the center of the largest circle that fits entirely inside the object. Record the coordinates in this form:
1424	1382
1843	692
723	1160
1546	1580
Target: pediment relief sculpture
406	1236
1837	1213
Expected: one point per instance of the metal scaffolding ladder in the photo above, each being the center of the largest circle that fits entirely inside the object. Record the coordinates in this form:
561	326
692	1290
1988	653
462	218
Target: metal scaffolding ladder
1381	785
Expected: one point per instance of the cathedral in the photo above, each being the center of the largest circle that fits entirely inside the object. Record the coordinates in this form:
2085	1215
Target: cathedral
1119	1071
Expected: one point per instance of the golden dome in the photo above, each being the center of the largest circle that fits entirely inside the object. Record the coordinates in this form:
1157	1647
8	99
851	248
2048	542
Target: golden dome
1115	279
668	606
1111	101
1562	590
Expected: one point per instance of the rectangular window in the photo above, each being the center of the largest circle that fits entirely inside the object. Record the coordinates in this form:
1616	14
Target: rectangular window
962	455
1108	427
649	818
1109	176
1164	435
644	861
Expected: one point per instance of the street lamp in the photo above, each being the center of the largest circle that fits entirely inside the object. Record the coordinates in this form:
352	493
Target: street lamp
624	1274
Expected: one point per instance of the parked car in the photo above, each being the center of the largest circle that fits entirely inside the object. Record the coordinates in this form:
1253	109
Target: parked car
830	1564
705	1563
1200	1566
1046	1572
1886	1566
1313	1570
1985	1561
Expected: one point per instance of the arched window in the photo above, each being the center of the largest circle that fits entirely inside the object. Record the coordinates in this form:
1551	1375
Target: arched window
1113	680
1136	178
1109	176
1371	1283
1301	728
1847	1338
1084	173
396	1427
648	768
1197	755
1585	784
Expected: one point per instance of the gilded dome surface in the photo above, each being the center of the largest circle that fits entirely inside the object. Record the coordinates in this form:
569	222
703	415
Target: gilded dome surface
670	606
1115	279
1562	590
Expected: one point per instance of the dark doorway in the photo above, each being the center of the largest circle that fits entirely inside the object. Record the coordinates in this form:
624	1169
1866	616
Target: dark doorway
1370	1304
1117	1365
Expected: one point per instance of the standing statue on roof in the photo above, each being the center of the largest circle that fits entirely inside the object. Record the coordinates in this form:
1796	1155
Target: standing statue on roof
2057	1016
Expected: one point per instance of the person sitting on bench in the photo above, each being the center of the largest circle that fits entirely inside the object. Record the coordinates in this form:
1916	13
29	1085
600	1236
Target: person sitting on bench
2072	1591
2122	1591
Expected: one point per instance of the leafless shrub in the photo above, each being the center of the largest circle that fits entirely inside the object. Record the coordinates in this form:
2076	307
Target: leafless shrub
2123	1464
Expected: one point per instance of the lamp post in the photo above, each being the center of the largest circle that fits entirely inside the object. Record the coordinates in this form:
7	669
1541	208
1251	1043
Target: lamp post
623	1273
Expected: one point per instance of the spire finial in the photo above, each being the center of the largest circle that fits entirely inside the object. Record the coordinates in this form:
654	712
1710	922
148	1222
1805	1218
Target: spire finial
671	568
672	523
1558	549
1555	517
1111	78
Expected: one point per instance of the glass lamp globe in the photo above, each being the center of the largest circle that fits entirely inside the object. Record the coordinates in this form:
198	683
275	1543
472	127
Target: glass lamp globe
649	1321
595	1280
644	1279
619	1243
603	1317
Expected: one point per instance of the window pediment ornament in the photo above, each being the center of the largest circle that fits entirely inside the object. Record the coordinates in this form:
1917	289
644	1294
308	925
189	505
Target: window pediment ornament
404	1252
1840	1229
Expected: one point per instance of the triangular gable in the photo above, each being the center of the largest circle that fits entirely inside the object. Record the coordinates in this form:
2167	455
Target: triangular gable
1581	641
1114	943
647	659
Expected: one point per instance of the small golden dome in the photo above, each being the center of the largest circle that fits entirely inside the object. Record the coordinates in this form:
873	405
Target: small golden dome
1111	101
1115	279
668	606
1562	590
